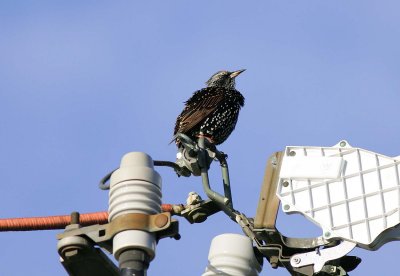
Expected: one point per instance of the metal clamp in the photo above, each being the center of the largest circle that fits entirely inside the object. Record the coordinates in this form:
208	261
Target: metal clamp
161	224
319	257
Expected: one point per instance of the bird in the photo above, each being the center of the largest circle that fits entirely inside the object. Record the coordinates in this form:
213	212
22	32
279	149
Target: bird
212	111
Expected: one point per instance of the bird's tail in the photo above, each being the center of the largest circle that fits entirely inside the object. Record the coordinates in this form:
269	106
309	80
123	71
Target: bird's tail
182	140
174	139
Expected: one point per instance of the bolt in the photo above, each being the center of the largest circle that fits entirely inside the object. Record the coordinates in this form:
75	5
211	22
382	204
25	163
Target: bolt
343	143
286	207
327	234
273	260
285	184
292	153
75	218
74	222
296	260
226	201
161	220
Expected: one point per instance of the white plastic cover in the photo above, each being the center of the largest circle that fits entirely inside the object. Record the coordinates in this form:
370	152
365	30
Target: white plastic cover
232	254
351	193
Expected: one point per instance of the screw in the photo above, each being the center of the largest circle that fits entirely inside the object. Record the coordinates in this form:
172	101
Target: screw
286	207
75	218
327	234
285	184
292	153
273	260
343	143
161	220
296	260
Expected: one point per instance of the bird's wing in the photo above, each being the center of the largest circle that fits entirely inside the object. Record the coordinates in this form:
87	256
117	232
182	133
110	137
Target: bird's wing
198	107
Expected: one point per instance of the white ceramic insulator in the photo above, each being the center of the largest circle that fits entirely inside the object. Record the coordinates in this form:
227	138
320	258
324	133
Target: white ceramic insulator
134	188
232	254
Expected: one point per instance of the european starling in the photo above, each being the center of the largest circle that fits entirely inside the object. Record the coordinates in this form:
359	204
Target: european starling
213	110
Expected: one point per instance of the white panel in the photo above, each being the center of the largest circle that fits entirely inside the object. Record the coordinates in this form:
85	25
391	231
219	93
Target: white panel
350	192
303	167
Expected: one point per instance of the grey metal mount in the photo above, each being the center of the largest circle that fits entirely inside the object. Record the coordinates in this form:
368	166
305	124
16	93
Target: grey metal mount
189	157
199	212
195	158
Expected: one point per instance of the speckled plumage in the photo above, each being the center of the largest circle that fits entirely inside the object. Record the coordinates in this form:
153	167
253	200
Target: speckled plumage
213	110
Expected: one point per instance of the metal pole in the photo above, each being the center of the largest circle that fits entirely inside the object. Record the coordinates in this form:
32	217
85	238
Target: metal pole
226	182
213	195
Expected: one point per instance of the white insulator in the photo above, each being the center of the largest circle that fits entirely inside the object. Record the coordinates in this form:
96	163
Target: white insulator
232	254
134	188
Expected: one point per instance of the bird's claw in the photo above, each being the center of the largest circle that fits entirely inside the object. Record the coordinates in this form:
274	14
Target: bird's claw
221	157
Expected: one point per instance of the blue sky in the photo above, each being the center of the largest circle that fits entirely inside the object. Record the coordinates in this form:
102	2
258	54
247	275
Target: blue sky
82	83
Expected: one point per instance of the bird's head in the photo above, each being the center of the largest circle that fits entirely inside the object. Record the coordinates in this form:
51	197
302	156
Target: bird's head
224	79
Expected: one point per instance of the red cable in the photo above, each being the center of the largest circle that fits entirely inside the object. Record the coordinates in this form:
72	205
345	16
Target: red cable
60	222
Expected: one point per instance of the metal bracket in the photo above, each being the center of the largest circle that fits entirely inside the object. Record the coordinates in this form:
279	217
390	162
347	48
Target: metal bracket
161	224
199	212
195	158
319	257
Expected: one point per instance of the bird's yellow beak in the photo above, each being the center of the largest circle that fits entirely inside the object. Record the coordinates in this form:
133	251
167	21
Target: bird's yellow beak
236	73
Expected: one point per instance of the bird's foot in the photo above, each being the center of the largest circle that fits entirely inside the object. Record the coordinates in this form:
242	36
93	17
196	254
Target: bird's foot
221	157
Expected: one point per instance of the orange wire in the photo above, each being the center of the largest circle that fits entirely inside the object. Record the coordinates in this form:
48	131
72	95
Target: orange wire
60	222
